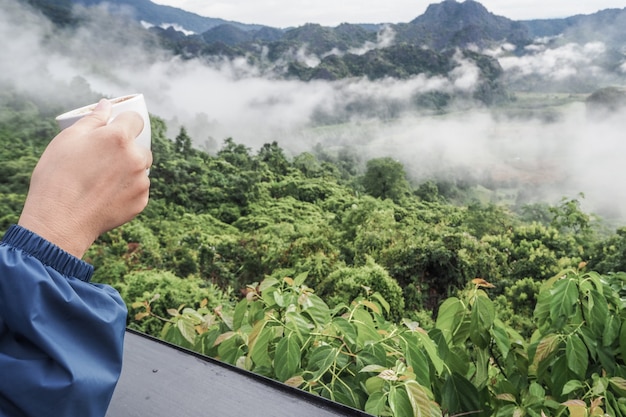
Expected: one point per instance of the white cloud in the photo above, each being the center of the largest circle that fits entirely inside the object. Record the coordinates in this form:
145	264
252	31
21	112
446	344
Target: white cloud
233	99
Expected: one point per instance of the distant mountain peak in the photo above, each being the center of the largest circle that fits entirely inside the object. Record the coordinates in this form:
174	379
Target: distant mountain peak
467	12
452	24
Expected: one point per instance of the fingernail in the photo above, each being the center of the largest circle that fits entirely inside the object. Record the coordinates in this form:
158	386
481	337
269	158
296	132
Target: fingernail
101	104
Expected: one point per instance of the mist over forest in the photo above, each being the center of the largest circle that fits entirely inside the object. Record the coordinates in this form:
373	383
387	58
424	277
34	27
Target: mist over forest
542	141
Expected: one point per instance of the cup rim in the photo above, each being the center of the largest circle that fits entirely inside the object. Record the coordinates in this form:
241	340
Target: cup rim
85	110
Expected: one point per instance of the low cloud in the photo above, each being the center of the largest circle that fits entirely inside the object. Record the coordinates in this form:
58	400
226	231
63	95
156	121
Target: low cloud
562	155
547	65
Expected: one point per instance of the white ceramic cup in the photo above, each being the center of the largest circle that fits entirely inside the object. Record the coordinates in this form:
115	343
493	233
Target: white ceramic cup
131	102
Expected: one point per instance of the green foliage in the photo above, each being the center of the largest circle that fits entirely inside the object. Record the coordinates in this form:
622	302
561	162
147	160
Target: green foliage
350	354
164	290
609	254
385	178
470	362
217	263
350	283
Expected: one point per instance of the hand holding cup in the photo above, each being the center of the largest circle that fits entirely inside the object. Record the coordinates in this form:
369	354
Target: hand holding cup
90	179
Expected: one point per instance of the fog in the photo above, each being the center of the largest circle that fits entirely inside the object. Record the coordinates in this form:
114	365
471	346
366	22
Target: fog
558	152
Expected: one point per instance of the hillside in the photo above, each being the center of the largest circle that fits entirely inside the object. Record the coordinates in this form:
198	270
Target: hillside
375	51
450	24
158	15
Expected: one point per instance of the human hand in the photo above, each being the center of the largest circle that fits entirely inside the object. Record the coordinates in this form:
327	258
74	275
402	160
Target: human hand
90	179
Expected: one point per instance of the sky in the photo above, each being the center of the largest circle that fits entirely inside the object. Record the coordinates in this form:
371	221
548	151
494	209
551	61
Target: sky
286	13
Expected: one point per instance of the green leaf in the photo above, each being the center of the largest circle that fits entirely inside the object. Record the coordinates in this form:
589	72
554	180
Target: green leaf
572	386
347	331
373	368
421	401
287	357
230	349
321	360
316	308
399	402
382	301
564	296
611	330
299	280
619	385
373	354
577	355
345	394
449	316
545	348
268	283
600	386
501	338
376	403
258	342
297	323
416	359
597	312
459	395
240	312
482	368
186	328
374	384
366	329
431	349
482	317
279	299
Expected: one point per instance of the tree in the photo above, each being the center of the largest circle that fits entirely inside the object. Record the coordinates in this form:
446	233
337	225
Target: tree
385	178
273	156
183	143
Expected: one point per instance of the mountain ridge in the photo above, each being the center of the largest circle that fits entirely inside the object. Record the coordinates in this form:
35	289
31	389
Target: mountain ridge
448	30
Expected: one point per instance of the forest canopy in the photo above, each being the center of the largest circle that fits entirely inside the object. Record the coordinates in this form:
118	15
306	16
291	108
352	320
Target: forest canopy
380	293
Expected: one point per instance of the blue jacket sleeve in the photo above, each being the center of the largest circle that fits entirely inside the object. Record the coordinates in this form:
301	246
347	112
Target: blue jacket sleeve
61	337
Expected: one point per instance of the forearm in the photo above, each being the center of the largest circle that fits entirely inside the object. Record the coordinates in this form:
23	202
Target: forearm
61	337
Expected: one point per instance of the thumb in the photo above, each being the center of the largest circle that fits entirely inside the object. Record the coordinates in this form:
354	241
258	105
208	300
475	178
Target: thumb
98	117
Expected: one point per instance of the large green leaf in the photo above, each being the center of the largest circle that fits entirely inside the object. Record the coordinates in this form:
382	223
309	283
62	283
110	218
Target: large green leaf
366	328
564	297
449	316
622	341
611	330
421	401
240	312
596	312
501	338
258	343
230	350
546	348
431	349
376	403
347	331
458	395
577	355
416	359
299	324
287	357
321	360
186	328
400	403
315	308
482	318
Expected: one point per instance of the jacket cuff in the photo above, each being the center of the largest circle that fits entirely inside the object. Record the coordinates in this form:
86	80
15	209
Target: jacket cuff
47	253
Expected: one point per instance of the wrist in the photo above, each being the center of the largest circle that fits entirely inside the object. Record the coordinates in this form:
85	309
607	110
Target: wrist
62	236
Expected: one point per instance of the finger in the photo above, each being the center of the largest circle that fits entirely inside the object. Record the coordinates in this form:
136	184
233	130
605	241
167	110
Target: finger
130	122
98	117
148	156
